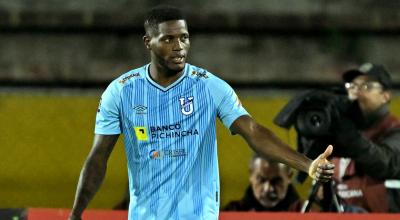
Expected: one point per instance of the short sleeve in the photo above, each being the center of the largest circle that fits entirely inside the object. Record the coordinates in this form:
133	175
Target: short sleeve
108	118
228	104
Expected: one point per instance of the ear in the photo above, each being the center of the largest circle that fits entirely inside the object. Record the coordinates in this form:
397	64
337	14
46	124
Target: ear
387	96
146	40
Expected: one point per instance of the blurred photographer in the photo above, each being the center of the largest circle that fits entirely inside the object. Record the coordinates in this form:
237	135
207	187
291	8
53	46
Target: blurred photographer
368	150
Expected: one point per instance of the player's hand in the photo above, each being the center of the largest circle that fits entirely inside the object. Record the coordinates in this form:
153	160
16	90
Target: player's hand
321	169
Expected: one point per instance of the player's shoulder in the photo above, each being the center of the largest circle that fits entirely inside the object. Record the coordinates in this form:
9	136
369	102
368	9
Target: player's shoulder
132	75
201	74
129	77
210	80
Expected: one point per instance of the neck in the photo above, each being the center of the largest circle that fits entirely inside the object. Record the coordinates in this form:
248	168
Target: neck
371	118
163	76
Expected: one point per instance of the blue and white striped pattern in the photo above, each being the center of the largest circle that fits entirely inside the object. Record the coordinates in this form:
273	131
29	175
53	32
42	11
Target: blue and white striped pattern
170	140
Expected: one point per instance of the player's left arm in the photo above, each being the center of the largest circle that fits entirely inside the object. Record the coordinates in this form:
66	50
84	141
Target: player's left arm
267	144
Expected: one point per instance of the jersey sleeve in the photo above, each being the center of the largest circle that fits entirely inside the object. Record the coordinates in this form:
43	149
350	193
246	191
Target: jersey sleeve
108	120
229	107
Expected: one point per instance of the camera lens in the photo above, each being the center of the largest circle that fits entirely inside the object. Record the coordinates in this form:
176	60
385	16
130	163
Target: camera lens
313	122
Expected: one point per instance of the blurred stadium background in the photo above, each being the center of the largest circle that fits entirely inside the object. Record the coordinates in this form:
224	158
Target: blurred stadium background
58	56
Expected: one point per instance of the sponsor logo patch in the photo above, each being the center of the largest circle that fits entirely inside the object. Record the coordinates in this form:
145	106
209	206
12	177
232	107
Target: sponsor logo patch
200	75
141	133
126	78
159	154
171	131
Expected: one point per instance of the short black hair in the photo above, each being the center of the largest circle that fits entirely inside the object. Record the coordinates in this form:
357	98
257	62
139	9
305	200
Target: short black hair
161	14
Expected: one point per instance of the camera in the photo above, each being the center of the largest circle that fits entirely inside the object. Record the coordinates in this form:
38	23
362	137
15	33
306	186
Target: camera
314	115
315	112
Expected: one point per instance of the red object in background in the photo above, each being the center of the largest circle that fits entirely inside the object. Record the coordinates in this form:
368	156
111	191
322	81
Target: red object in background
62	214
307	216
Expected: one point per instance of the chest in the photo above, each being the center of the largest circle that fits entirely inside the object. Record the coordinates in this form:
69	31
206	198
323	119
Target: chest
179	112
149	104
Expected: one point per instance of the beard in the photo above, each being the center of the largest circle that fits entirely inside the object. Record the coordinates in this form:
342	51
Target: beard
168	66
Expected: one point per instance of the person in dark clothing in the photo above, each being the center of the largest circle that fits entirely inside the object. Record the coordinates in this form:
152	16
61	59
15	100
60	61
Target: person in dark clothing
270	189
368	153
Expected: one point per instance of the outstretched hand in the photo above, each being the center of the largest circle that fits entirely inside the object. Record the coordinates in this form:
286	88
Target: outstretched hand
321	169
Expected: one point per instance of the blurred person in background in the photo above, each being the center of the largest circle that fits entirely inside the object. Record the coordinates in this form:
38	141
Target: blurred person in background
367	151
270	188
167	111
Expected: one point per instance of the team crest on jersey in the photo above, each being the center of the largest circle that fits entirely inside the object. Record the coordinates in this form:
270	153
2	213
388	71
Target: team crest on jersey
186	105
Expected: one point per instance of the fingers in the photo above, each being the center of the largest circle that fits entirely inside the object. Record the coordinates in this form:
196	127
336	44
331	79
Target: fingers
324	172
322	178
321	169
327	152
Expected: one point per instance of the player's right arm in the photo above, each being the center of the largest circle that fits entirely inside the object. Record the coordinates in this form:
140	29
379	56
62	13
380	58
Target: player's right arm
92	173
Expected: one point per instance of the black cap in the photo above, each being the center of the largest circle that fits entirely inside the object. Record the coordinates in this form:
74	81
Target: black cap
373	71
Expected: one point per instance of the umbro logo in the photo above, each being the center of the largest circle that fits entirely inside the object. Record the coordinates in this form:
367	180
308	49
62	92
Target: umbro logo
140	109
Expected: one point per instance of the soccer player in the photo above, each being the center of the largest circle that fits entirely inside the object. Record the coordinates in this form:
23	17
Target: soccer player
167	112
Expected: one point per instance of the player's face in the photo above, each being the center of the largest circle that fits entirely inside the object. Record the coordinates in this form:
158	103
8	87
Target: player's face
169	47
370	94
269	182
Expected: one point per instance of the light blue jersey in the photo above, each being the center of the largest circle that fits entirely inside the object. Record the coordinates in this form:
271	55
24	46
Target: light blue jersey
170	140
